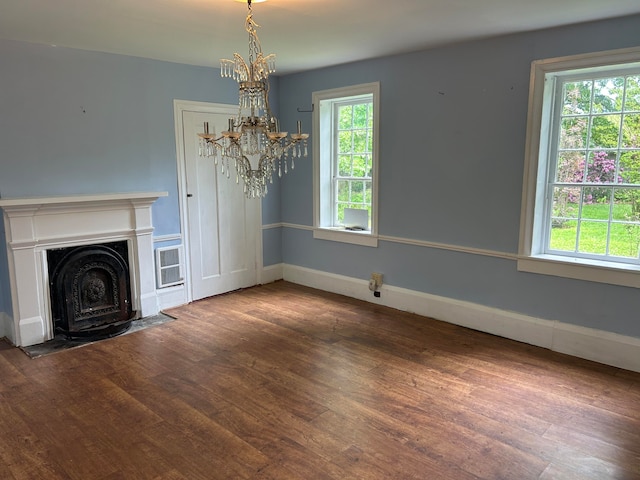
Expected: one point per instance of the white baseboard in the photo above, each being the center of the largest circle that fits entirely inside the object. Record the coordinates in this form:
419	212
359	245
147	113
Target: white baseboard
597	345
177	295
171	296
5	323
271	273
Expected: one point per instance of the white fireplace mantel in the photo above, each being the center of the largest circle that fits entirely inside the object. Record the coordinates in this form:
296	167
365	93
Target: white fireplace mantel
35	225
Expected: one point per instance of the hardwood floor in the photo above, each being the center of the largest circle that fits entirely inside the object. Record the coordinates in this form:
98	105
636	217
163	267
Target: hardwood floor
285	382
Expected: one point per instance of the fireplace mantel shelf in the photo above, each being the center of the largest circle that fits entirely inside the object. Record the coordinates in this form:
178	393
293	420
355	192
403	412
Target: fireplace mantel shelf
61	200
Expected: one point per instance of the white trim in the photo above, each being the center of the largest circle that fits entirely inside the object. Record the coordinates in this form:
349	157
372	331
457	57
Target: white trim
259	254
71	240
320	223
296	226
341	235
417	243
272	226
5	324
177	295
171	296
272	273
597	345
625	275
179	107
173	237
34	225
450	247
531	257
582	269
590	60
66	202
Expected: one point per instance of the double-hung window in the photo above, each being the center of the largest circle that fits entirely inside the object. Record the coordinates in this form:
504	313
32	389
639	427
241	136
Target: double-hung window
345	127
581	208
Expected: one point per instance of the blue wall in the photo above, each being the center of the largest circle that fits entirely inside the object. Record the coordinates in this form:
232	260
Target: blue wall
79	122
84	122
452	141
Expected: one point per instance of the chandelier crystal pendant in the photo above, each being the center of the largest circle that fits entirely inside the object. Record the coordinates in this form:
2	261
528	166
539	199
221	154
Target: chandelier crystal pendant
254	134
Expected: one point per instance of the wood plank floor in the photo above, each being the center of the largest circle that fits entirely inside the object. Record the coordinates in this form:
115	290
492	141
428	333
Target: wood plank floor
285	382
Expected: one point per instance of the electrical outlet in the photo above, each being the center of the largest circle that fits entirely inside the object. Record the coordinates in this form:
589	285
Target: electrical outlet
375	283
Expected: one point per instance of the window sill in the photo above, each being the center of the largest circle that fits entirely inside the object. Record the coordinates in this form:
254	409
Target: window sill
581	269
364	238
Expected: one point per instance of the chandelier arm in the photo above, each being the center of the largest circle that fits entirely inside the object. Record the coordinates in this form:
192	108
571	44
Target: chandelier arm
209	138
241	68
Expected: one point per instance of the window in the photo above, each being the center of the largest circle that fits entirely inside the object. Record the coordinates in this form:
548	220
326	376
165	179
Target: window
581	207
345	125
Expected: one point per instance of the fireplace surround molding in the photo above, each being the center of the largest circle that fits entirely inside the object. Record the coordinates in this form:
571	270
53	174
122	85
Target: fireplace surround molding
35	225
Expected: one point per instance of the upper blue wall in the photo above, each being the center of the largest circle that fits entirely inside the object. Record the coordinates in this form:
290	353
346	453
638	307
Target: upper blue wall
79	122
452	141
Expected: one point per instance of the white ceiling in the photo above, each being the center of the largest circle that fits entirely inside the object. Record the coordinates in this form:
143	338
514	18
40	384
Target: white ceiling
304	34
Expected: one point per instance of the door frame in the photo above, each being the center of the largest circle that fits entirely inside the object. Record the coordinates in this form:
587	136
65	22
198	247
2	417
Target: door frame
179	107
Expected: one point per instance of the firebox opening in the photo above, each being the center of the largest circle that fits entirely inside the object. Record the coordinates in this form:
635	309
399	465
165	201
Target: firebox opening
90	289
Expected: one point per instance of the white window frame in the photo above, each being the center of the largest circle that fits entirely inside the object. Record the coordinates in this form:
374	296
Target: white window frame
323	129
531	255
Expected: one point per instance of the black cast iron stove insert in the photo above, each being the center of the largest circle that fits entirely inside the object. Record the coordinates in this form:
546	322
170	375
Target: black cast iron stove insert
90	289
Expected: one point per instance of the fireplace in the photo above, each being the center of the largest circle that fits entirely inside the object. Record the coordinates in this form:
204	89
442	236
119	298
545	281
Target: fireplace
90	289
36	228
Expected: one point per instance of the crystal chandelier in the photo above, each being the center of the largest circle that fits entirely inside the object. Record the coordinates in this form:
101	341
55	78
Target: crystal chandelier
254	134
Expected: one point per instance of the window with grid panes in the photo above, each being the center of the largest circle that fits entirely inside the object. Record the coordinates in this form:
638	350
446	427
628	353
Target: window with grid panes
586	151
595	186
345	161
353	158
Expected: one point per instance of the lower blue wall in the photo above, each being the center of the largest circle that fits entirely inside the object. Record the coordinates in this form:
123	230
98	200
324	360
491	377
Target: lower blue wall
452	141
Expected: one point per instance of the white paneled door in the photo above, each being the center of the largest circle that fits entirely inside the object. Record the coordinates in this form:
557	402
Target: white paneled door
222	224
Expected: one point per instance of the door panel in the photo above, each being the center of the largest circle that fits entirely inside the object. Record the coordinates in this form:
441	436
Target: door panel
222	223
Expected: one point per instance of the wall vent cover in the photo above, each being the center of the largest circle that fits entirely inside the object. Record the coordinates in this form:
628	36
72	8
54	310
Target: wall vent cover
169	261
